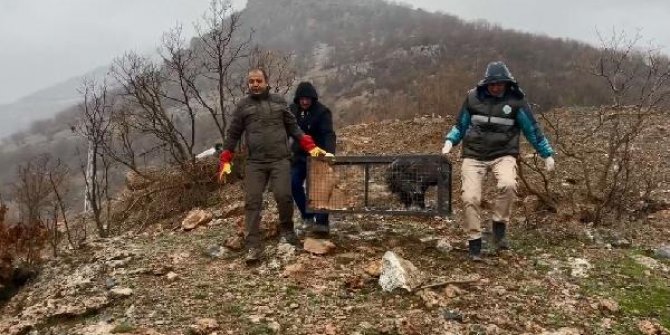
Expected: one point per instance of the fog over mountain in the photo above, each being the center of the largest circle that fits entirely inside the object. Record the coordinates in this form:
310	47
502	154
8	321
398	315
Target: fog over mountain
569	18
47	46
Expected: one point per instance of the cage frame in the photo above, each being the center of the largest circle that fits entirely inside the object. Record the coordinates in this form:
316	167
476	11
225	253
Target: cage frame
369	160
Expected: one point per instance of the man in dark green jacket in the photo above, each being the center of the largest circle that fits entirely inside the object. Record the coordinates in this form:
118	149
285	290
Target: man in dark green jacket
265	120
492	117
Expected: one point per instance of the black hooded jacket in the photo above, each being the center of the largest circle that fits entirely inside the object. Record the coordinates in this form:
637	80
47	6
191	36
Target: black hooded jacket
317	122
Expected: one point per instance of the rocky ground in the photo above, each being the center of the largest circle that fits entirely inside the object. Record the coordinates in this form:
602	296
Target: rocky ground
562	277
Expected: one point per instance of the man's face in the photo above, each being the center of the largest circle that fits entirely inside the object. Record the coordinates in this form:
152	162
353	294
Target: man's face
257	83
497	89
305	103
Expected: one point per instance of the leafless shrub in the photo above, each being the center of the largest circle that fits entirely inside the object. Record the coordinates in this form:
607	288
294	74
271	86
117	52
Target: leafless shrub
602	150
33	192
168	192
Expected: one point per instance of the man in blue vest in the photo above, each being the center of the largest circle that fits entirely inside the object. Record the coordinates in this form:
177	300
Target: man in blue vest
489	123
315	120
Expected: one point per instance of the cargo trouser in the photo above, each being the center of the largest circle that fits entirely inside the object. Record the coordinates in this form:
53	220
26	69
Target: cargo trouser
473	173
257	176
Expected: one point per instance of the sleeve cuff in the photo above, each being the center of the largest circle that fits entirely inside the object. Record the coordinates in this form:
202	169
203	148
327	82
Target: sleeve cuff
307	143
226	157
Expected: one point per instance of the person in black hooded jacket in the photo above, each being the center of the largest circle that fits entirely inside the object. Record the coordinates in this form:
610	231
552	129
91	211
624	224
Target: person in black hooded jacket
315	120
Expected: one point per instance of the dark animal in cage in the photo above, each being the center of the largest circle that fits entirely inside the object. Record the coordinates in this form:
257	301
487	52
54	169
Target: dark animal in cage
409	178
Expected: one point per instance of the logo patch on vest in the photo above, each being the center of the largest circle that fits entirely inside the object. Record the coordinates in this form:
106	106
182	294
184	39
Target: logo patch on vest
507	109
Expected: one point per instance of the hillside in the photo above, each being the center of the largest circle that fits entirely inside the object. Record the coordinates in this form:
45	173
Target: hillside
373	60
42	105
590	252
563	277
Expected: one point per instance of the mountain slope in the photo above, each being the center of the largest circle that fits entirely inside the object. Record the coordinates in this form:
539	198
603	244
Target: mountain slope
386	52
373	60
562	277
43	104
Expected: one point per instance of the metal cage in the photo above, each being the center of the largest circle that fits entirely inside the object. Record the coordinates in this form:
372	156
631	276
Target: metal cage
393	184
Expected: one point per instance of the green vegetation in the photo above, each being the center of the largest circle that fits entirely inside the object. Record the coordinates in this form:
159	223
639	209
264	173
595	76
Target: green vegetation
123	328
641	293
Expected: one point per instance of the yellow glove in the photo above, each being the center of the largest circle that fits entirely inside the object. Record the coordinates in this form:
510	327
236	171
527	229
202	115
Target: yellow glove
316	152
225	171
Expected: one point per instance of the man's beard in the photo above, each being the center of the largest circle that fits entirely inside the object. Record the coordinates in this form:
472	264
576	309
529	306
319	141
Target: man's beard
258	91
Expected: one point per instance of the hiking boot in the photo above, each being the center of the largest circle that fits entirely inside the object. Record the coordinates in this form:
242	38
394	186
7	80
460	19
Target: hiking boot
254	254
475	250
306	226
289	237
499	239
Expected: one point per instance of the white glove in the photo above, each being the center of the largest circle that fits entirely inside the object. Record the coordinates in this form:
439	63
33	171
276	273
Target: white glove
447	147
550	163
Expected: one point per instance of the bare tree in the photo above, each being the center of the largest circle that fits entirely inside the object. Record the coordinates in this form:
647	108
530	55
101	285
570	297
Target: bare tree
181	74
95	127
3	212
143	83
279	67
57	175
32	190
605	142
121	136
32	193
221	50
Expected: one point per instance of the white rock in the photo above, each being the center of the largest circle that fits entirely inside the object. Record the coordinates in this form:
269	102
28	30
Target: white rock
215	251
274	326
398	273
427	239
121	292
579	267
648	327
102	328
195	218
274	264
663	252
443	246
650	263
609	305
118	263
171	276
130	311
216	222
285	252
318	246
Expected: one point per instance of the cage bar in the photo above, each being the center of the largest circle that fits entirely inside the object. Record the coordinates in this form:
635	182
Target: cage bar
388	184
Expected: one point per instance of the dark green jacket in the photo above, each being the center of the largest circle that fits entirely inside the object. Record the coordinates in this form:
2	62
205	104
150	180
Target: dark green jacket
266	121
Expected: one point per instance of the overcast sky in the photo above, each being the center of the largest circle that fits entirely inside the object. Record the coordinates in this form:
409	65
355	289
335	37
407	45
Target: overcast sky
43	42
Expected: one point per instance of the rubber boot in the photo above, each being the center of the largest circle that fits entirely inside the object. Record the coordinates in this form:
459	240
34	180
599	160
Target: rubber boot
475	250
499	239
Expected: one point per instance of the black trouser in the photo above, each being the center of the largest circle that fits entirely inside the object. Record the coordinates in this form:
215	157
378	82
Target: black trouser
257	176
